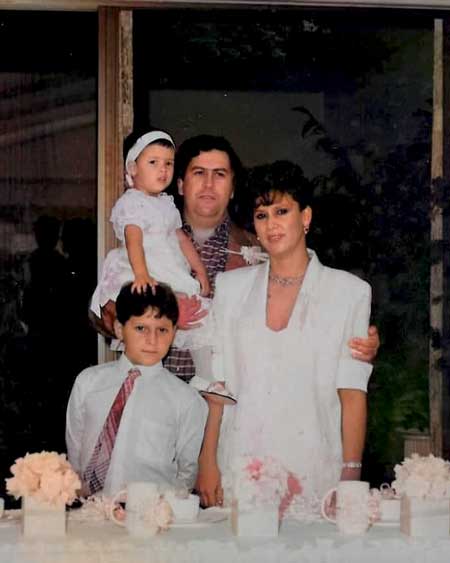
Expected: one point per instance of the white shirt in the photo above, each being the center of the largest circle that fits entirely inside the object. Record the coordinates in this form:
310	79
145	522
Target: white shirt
160	432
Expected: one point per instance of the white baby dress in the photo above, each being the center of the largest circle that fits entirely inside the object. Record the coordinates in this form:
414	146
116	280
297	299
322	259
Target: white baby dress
158	218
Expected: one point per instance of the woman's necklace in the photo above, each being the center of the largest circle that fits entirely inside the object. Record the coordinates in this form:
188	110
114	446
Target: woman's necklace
286	281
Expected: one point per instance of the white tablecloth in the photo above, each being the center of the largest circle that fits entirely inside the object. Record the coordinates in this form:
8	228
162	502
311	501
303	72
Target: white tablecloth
214	543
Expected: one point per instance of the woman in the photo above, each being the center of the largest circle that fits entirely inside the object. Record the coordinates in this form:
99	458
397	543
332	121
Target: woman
281	347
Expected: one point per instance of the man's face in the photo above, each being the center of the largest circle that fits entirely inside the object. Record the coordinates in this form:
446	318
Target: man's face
207	188
146	338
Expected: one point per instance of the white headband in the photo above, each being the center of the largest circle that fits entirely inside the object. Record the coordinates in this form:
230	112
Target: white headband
145	140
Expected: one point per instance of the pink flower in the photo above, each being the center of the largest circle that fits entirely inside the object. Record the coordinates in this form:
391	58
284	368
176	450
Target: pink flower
254	469
48	476
159	516
374	504
163	514
293	488
120	513
51	487
263	481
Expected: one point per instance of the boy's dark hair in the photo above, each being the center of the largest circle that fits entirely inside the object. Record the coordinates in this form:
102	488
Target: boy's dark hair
282	176
193	146
133	304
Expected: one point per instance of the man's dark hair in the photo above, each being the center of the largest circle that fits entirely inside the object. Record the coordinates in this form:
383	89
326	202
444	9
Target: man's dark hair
133	304
193	146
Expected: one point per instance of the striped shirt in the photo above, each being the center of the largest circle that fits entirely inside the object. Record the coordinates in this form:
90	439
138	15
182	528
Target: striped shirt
216	259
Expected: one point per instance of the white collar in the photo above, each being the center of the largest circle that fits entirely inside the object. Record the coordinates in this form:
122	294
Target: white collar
125	365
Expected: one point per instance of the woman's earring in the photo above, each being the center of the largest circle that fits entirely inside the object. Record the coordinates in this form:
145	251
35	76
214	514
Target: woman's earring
306	229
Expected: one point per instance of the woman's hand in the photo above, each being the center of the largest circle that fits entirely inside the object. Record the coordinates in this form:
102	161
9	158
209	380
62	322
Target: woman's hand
366	349
141	281
190	311
209	484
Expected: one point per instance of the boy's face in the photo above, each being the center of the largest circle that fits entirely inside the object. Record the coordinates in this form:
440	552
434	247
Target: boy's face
147	338
153	170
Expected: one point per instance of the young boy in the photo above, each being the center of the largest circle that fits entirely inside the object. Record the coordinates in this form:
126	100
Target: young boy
160	428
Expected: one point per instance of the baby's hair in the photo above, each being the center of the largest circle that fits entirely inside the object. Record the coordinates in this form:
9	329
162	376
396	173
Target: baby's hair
133	304
131	139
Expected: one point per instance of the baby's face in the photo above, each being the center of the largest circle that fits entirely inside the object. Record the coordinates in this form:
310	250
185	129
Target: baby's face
152	171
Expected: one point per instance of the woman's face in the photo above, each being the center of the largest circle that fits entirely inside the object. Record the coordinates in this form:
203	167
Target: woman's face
280	226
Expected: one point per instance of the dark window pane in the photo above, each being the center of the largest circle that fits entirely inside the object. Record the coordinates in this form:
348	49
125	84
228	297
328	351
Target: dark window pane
347	95
47	222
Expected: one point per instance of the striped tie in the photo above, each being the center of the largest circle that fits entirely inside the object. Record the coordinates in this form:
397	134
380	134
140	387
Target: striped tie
95	473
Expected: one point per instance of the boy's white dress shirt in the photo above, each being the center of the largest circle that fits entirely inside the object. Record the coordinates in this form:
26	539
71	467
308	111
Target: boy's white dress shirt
160	432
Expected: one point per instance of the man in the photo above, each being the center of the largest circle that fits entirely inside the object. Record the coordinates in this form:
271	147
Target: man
208	173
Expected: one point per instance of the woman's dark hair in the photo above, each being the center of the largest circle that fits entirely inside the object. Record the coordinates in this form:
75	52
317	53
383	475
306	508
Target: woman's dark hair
133	304
284	177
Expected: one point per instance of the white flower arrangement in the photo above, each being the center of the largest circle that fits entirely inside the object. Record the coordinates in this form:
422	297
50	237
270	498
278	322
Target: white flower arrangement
423	477
263	481
46	476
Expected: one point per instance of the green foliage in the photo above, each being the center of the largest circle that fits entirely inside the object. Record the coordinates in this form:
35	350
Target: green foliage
259	49
379	226
398	400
